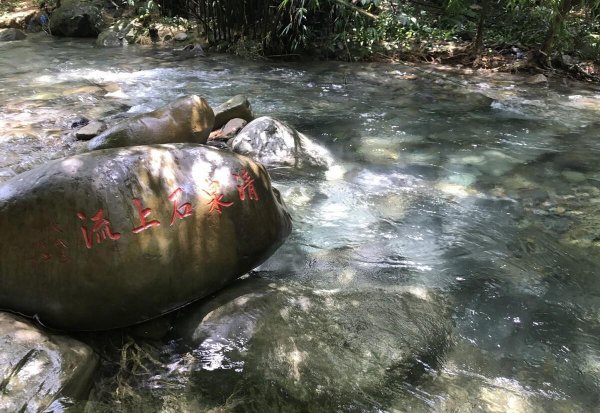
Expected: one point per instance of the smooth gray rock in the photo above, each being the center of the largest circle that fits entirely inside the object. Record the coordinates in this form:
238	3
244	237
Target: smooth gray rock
187	119
274	143
115	237
538	79
37	367
110	38
229	131
236	107
234	126
90	130
12	34
77	18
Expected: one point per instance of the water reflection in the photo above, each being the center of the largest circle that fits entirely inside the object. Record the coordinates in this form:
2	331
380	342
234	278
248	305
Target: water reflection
480	193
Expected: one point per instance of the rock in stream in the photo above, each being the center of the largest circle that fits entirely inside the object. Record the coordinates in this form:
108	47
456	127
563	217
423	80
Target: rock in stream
115	237
37	367
274	143
187	119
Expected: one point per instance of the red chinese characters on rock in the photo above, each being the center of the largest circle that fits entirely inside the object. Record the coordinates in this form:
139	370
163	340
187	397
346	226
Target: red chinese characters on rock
53	247
143	213
101	229
179	211
246	184
216	202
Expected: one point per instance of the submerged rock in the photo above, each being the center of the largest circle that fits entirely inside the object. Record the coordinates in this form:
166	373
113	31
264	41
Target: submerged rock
9	35
272	142
574	176
77	18
187	119
189	52
36	367
115	237
236	107
261	345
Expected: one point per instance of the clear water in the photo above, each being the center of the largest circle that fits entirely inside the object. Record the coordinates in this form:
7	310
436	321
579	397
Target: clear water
481	191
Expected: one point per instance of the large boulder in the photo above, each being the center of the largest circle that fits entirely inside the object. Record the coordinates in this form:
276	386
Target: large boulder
187	119
236	107
260	344
77	18
115	237
37	368
274	143
9	35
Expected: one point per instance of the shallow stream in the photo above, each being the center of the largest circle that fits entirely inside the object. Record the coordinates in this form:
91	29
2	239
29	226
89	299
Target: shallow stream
477	194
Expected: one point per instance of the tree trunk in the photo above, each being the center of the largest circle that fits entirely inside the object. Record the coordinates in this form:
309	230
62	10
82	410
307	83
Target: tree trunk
478	43
563	8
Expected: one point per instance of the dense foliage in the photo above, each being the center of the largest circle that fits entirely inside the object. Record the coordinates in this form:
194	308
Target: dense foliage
463	30
357	29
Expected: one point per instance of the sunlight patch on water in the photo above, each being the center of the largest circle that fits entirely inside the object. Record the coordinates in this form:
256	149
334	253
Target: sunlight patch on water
212	355
109	76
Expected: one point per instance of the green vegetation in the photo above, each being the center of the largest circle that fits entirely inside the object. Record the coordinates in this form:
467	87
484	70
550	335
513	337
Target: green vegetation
465	30
509	34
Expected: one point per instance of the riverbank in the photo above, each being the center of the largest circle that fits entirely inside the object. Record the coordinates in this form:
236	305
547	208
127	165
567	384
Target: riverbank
147	24
500	59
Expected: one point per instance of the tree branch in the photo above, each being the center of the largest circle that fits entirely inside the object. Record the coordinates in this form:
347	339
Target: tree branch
358	9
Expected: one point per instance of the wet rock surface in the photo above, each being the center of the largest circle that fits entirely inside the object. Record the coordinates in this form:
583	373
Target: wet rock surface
236	107
187	119
114	237
229	130
298	348
273	142
37	367
110	38
90	130
12	34
190	51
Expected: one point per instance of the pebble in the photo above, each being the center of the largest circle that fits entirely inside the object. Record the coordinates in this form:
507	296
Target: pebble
573	176
90	130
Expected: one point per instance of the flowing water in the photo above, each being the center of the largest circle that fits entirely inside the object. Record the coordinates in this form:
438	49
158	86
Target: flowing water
448	262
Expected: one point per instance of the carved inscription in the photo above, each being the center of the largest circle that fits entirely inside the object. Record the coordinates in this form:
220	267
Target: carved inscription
97	229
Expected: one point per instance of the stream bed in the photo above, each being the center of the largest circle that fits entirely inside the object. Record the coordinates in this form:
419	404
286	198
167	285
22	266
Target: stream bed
447	262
